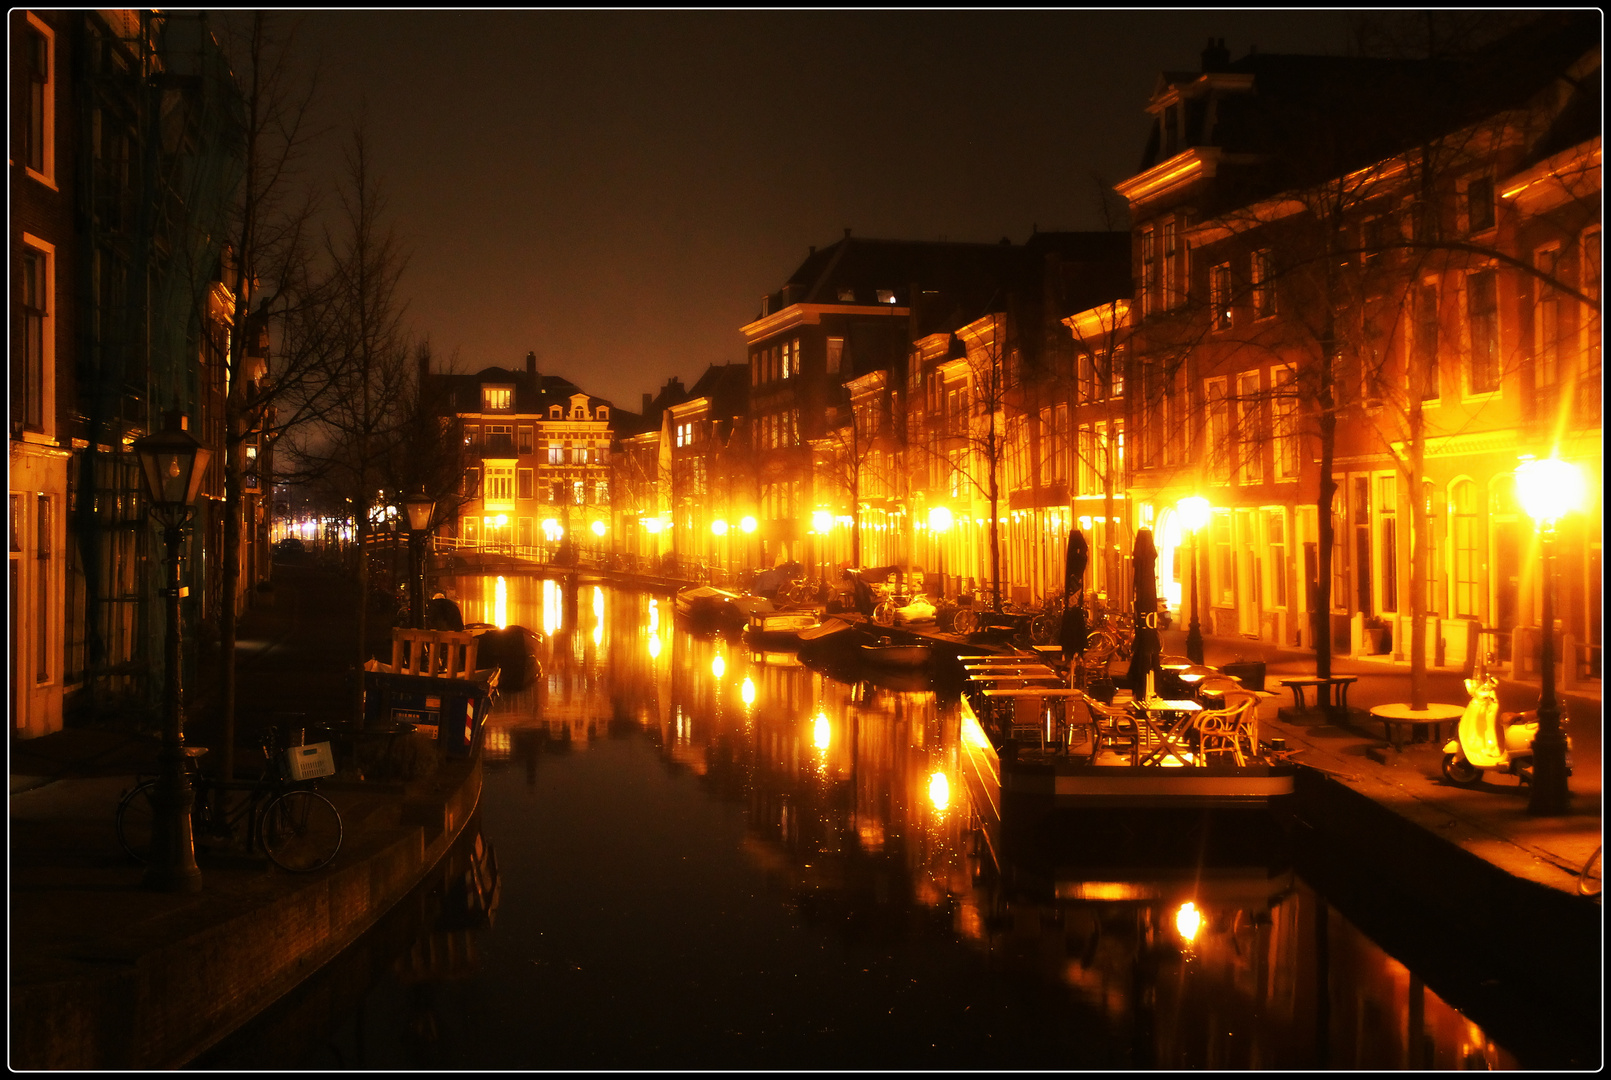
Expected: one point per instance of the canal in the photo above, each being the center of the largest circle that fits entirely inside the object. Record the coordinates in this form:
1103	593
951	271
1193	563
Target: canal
716	859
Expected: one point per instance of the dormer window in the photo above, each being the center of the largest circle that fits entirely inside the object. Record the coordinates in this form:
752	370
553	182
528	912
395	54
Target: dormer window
886	296
1171	130
603	412
497	398
579	413
847	295
557	412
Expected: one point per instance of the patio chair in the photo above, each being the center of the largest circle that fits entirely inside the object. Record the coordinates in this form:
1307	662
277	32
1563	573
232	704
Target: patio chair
1113	728
1226	731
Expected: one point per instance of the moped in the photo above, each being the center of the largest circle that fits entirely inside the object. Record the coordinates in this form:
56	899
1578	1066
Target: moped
1487	739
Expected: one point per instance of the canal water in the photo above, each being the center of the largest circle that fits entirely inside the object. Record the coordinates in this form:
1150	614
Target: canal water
713	859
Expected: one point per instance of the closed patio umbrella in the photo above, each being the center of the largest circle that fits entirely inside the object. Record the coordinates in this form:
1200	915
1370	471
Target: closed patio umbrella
1071	634
1147	648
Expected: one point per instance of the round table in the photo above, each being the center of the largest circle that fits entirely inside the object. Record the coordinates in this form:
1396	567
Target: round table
1403	720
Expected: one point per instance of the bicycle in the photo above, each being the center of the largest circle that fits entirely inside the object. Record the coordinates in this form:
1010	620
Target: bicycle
296	827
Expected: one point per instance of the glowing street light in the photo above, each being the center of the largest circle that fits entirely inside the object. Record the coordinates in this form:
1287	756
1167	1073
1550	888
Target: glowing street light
1194	514
1548	489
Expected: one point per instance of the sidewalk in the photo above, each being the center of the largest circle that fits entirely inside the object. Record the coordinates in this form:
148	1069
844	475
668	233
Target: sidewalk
107	974
1491	820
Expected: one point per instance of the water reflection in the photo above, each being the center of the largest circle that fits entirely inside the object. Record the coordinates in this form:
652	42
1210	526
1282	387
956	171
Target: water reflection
1197	948
850	787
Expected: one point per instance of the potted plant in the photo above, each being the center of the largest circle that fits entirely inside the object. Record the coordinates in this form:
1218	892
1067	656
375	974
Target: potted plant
1378	636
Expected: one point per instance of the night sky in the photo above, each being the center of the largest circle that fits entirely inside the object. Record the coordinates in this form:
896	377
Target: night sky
618	190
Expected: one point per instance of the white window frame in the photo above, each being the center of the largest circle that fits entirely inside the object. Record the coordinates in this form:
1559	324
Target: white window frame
47	175
1469	391
46	432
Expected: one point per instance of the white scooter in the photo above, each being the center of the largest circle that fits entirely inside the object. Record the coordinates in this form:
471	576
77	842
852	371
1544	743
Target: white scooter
1487	740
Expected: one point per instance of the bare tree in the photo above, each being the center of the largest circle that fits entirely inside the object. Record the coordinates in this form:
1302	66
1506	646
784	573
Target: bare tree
272	281
376	404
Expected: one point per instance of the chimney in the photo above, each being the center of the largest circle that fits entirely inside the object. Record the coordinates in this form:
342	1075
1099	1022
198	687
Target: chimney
531	364
1216	57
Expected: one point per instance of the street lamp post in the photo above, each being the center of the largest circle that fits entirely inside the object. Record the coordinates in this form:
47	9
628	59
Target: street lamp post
747	524
822	521
939	522
1547	489
1194	515
718	528
420	509
173	464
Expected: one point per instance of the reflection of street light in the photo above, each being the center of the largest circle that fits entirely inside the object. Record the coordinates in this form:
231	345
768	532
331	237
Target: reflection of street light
1194	515
174	464
939	791
939	522
1547	489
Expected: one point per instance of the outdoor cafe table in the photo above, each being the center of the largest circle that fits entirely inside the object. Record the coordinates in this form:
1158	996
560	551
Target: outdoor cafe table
1169	722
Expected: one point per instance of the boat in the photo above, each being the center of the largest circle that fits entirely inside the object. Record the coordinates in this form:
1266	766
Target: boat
1009	781
885	653
708	606
511	649
835	637
779	630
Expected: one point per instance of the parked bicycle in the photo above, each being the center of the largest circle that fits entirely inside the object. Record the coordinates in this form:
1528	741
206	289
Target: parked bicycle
295	826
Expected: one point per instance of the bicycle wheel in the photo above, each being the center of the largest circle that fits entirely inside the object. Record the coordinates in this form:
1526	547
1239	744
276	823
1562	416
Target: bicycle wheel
301	830
134	817
1099	646
884	614
966	620
1042	629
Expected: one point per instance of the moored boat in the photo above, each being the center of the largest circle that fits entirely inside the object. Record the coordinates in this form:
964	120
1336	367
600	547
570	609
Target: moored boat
708	606
888	654
779	630
832	638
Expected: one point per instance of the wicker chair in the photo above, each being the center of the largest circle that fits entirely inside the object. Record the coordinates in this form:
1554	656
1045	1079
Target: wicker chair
1225	731
1113	728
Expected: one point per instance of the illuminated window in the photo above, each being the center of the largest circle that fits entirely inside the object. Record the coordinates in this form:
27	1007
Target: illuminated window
1284	414
886	296
846	295
497	398
836	351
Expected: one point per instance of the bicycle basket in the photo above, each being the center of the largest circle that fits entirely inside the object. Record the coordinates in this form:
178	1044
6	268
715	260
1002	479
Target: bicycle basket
310	761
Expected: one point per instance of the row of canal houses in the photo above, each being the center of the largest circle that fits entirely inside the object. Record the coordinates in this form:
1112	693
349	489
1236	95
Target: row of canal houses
1405	252
121	165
